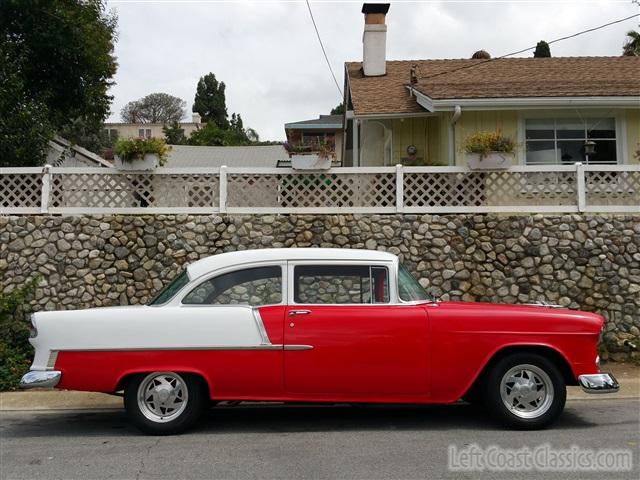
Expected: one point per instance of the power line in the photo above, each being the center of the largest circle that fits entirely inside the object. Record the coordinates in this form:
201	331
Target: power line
323	51
531	48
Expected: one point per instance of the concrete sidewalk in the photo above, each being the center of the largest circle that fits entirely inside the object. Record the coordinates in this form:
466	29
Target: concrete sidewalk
50	399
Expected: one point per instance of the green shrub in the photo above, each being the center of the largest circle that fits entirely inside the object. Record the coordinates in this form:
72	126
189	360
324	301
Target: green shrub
16	352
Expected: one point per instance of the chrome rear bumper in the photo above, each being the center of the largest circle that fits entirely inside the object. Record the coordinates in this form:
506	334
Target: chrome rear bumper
40	379
599	383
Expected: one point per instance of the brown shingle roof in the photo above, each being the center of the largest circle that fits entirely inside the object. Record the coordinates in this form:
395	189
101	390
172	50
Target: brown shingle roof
500	78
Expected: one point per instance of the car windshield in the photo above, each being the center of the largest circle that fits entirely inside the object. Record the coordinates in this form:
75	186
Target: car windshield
408	287
170	289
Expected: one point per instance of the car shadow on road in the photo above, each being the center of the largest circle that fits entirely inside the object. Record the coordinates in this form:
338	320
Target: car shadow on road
270	418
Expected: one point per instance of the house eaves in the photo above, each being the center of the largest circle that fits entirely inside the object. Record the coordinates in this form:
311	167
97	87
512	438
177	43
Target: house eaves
449	104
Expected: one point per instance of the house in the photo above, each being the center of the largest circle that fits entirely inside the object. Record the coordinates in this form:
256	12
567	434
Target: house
418	112
184	156
115	130
327	129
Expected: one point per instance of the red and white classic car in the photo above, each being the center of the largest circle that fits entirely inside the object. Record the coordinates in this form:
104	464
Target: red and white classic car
316	325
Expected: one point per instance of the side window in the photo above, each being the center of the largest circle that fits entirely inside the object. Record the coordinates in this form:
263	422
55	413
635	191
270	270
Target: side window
252	286
335	284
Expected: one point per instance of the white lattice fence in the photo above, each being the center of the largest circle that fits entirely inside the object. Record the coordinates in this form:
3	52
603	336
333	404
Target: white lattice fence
575	188
346	189
121	191
612	188
458	189
21	191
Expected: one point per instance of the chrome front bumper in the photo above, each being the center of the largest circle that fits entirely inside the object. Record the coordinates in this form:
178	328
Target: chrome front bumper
599	383
40	379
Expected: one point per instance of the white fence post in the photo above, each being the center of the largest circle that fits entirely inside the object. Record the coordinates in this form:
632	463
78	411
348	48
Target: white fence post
399	188
223	188
581	188
46	189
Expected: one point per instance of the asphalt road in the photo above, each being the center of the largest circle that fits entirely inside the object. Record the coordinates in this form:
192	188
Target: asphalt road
299	442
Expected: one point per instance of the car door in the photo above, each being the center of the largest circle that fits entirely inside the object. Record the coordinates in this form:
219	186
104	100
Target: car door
352	337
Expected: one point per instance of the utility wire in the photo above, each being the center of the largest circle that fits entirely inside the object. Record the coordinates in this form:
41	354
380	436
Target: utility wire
324	51
530	48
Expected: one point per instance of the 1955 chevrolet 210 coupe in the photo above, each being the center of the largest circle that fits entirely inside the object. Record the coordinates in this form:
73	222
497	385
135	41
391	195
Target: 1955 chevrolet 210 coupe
316	325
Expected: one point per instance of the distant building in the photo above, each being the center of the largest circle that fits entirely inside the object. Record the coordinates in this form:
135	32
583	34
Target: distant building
324	129
115	130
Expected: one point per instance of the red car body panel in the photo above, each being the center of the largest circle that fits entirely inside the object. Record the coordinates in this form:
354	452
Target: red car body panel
415	353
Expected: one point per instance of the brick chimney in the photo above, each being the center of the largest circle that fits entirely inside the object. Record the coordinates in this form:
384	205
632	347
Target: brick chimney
374	39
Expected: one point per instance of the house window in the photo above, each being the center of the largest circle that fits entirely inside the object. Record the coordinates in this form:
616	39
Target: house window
560	141
144	133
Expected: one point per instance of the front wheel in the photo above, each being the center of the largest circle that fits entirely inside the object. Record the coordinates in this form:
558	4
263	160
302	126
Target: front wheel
525	391
164	403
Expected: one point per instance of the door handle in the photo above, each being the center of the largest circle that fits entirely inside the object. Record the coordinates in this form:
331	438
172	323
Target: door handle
293	313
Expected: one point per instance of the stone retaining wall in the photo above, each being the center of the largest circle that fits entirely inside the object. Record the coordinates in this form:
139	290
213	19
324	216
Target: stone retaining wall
590	262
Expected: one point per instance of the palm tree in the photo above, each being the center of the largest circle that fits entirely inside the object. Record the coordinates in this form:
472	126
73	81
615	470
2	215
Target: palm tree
631	46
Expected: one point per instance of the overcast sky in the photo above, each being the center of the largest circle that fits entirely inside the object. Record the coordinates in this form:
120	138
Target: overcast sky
268	55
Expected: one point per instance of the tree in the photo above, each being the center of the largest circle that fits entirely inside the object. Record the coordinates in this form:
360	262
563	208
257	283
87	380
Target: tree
338	110
542	50
212	135
631	46
210	101
174	134
154	108
61	56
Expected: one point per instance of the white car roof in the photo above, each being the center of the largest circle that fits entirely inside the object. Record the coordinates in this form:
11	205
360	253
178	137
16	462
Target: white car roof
223	260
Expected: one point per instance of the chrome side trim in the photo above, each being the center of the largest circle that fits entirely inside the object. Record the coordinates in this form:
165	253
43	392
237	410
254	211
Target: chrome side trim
270	346
260	326
599	383
53	357
40	379
298	347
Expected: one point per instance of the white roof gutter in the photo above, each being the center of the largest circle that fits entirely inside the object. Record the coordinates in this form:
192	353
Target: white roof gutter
522	102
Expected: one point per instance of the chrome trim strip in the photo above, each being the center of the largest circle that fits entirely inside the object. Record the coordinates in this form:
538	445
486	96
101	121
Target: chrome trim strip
40	379
53	357
208	347
260	327
598	383
270	346
298	347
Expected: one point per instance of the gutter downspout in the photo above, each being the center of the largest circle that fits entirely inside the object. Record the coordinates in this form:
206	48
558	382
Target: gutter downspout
457	112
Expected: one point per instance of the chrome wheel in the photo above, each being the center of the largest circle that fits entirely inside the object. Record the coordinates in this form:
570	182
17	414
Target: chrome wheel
526	391
162	396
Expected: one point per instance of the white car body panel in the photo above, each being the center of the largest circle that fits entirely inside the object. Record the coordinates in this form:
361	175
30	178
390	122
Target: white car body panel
146	328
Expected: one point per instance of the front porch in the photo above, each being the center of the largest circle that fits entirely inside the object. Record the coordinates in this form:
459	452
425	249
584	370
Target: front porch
543	137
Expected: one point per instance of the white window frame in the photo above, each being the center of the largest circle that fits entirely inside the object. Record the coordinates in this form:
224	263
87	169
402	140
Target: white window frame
391	271
186	290
618	116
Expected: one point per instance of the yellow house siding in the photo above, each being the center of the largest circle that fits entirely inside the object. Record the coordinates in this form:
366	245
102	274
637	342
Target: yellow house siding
633	134
426	133
474	121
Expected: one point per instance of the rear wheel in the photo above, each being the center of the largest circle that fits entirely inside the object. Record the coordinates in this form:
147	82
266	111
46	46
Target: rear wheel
164	403
525	391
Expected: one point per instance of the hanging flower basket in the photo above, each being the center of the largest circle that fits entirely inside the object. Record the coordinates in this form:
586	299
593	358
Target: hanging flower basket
489	161
140	153
309	161
489	151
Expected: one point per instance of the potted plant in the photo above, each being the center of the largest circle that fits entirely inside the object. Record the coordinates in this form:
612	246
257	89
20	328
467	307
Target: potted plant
140	153
312	156
489	151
